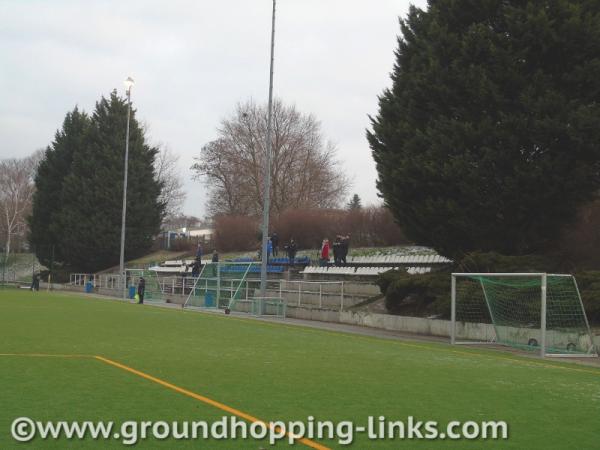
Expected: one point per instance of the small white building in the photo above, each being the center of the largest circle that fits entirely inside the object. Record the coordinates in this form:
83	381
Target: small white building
204	234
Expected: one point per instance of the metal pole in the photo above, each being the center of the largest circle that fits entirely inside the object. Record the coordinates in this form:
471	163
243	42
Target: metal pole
51	269
124	211
267	188
4	264
453	311
218	284
587	324
320	295
543	318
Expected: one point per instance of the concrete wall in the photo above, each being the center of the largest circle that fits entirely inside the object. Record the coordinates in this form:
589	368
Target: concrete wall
416	325
320	315
465	331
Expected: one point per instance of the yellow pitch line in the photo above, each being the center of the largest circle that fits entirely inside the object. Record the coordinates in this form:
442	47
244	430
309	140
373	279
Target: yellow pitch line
202	398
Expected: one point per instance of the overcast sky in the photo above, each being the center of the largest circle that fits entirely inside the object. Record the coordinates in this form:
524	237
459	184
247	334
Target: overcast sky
192	61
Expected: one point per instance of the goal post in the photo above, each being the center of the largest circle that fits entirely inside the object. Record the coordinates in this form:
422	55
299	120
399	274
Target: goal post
531	311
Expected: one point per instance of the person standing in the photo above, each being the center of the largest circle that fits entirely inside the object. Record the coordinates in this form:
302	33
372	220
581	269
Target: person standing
195	269
141	289
291	249
199	254
269	248
35	282
275	243
324	261
215	256
337	250
344	248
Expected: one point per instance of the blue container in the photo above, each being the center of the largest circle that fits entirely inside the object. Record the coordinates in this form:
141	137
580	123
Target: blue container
131	291
89	287
209	300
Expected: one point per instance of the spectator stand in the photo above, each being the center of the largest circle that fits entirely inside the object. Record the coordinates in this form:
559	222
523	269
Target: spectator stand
367	267
299	262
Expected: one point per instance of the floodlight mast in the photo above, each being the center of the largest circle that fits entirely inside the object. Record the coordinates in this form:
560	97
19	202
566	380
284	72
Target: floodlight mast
128	85
267	186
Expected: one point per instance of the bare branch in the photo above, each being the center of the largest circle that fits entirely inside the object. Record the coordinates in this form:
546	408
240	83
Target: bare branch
169	176
305	172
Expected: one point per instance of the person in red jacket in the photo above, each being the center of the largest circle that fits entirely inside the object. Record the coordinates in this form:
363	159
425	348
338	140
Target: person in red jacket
325	253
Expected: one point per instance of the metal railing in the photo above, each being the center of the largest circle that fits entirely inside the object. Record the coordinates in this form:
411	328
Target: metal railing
294	292
100	281
299	293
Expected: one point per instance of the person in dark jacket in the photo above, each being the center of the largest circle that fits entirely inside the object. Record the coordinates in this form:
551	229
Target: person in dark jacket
337	251
141	289
195	269
275	243
344	248
215	256
291	250
35	282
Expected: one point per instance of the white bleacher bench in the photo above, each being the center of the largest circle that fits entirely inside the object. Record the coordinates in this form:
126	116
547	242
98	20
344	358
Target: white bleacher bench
390	260
371	271
360	271
418	270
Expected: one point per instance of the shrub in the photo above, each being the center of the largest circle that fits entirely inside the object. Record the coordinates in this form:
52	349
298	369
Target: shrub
235	233
495	262
371	226
417	295
308	227
580	240
386	278
589	288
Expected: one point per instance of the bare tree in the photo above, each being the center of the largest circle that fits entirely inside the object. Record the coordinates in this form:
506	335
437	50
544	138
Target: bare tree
305	172
167	173
16	191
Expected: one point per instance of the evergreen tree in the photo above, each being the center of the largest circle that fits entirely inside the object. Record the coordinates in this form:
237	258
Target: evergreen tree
86	224
354	203
44	230
489	137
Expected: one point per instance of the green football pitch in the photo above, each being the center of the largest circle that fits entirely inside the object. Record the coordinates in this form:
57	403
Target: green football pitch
162	364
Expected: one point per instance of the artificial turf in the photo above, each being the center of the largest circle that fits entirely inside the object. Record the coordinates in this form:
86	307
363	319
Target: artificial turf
273	372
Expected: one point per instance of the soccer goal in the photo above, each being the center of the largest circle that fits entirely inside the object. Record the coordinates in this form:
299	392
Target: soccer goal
531	311
219	284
